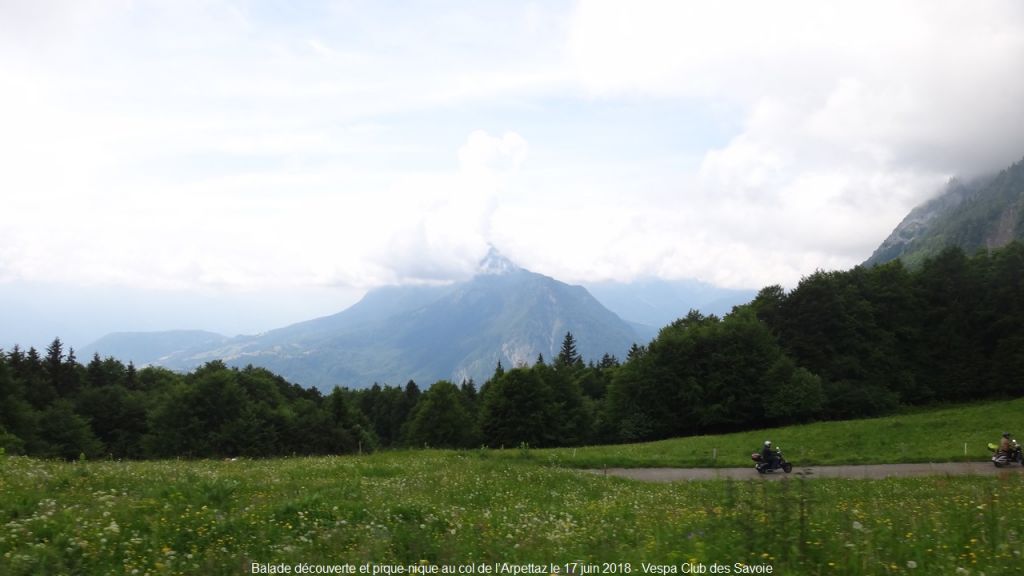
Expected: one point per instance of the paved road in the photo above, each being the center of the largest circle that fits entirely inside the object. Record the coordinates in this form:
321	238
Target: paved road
860	471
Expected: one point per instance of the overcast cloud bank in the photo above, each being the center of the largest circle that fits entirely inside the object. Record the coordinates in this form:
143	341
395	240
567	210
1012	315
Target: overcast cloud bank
255	146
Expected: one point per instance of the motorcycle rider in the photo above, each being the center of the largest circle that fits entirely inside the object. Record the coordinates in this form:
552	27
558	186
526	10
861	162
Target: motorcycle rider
1005	444
769	456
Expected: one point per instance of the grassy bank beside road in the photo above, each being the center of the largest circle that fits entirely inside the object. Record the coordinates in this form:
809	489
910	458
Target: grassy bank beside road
937	435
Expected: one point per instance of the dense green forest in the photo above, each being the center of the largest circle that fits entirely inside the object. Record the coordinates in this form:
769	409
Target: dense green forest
841	344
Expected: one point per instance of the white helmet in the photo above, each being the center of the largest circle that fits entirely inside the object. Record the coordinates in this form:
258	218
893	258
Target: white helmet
767	442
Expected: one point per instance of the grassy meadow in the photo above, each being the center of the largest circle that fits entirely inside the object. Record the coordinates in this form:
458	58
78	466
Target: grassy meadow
439	509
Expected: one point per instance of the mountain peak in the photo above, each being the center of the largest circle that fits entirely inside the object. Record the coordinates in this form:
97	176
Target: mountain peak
495	263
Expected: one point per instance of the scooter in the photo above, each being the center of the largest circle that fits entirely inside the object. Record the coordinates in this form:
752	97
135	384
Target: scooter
1000	459
764	467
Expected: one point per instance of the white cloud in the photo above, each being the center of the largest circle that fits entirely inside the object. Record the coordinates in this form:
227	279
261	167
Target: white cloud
168	146
199	144
852	114
483	152
444	227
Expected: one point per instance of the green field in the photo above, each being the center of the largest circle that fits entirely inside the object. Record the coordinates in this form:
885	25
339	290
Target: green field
437	510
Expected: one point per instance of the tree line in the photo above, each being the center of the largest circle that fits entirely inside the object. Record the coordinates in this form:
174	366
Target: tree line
53	406
846	344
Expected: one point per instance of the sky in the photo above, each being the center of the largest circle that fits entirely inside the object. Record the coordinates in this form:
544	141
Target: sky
237	166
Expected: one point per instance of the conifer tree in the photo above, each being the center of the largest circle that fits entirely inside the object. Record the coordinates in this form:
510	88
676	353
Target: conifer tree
568	355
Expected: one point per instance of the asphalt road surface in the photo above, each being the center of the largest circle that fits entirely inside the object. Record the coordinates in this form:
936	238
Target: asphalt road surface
859	471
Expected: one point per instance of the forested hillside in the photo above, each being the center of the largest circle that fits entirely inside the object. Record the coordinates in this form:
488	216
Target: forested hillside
841	344
979	214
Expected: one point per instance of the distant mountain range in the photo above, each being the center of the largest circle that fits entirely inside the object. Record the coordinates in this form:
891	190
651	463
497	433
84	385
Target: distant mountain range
145	348
398	333
657	303
984	213
426	333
